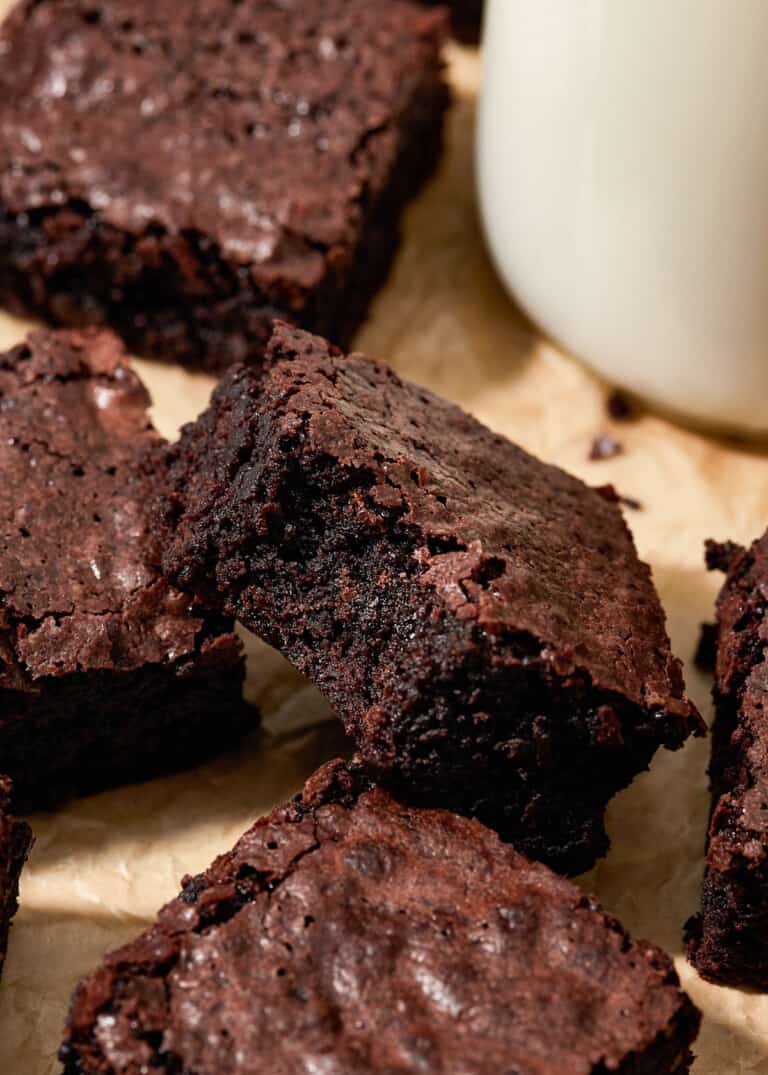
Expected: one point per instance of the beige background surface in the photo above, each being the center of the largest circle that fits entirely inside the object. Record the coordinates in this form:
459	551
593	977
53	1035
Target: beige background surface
102	866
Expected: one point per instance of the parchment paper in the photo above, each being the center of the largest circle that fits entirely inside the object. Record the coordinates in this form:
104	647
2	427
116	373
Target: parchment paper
102	866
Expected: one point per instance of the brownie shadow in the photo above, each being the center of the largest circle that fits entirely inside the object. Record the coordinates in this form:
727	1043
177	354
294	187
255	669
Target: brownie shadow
651	877
298	734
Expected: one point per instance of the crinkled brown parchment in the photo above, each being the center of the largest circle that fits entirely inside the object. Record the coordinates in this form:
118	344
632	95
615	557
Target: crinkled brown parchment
102	866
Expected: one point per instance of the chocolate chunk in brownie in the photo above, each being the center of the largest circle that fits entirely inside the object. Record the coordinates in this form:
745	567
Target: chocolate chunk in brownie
186	172
106	672
728	942
15	842
480	620
348	933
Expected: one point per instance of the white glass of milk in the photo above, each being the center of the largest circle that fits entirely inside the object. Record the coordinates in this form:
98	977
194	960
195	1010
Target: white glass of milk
623	170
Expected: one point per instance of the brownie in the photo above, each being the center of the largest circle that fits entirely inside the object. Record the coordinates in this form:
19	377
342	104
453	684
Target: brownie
480	620
348	933
728	942
15	842
106	672
466	17
184	172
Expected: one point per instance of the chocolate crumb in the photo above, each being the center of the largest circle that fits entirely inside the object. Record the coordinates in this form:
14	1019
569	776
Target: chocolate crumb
618	406
706	650
604	446
630	502
719	555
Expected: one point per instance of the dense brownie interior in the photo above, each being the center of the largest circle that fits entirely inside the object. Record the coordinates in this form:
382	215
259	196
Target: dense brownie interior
728	942
480	620
15	842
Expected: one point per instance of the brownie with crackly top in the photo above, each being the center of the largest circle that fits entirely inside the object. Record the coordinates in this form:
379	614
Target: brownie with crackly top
480	620
185	172
346	932
107	673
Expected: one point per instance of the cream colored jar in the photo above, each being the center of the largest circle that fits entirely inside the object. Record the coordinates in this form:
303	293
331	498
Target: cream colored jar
623	171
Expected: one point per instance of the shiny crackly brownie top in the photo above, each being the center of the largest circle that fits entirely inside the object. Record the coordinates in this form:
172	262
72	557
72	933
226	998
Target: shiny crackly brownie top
509	545
263	126
78	591
346	932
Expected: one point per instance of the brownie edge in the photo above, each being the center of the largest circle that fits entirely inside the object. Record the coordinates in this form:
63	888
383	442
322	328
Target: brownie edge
15	843
184	173
728	940
108	675
346	933
480	620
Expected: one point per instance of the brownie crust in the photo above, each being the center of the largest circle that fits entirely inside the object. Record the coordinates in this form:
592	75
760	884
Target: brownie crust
102	663
186	172
15	842
346	932
466	18
480	620
728	942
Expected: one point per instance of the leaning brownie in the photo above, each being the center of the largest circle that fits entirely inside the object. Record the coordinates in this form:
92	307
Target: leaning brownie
348	933
15	842
480	620
184	172
729	941
106	672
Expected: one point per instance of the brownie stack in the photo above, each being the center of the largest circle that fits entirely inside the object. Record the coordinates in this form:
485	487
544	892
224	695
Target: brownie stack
107	673
348	933
728	943
15	842
185	172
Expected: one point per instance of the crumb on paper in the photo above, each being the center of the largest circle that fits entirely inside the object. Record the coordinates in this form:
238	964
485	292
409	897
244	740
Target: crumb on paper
604	446
630	502
719	555
618	406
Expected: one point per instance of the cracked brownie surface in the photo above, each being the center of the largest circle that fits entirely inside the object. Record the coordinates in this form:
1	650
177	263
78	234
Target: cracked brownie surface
100	659
728	942
15	842
348	933
480	620
185	171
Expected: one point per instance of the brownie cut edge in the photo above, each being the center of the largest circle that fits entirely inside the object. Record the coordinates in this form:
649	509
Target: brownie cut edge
107	673
184	173
15	843
348	932
480	620
728	940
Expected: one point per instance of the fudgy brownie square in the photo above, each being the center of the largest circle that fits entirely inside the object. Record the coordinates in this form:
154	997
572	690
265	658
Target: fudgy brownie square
15	842
107	673
728	942
480	620
184	172
348	933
